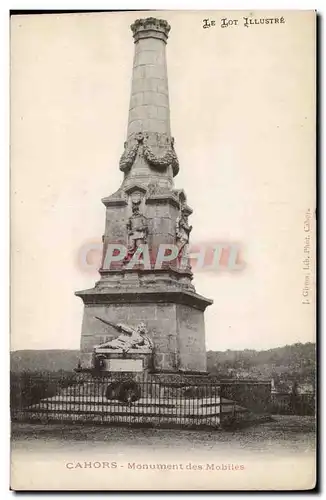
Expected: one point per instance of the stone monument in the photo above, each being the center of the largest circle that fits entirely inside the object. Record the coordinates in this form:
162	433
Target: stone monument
144	313
143	356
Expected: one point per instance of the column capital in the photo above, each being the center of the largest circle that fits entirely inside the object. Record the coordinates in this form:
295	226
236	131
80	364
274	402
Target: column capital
150	27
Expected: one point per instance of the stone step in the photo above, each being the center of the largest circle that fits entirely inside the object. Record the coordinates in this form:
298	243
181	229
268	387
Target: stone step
203	402
131	413
143	406
128	410
151	420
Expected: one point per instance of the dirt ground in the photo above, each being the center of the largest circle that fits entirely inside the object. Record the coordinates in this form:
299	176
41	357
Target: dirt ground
284	433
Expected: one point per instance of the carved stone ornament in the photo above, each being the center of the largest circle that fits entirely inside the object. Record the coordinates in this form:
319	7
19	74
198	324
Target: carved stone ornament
150	27
129	155
159	162
164	161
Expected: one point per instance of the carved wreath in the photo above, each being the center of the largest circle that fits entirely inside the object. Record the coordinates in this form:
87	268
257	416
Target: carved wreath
164	161
128	157
160	162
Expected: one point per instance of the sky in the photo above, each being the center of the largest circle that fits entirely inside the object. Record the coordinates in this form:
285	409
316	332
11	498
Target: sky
243	118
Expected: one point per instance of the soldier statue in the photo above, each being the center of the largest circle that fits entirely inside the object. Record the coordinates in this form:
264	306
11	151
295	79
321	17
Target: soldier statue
137	229
130	338
183	230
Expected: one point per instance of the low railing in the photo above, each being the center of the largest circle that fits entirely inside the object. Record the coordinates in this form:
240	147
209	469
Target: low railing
140	399
293	404
121	398
162	399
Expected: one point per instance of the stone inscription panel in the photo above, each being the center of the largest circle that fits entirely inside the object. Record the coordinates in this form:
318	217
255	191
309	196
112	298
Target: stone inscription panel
124	365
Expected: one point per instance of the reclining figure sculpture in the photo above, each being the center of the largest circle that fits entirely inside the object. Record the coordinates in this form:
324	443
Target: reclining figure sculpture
130	338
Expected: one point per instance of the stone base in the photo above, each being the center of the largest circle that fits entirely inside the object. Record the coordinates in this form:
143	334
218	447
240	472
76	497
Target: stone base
174	319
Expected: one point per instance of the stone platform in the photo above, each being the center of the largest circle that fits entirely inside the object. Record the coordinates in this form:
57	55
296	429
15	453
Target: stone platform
152	411
149	399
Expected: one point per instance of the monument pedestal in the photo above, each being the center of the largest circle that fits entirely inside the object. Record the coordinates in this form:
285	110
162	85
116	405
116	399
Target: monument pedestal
174	318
